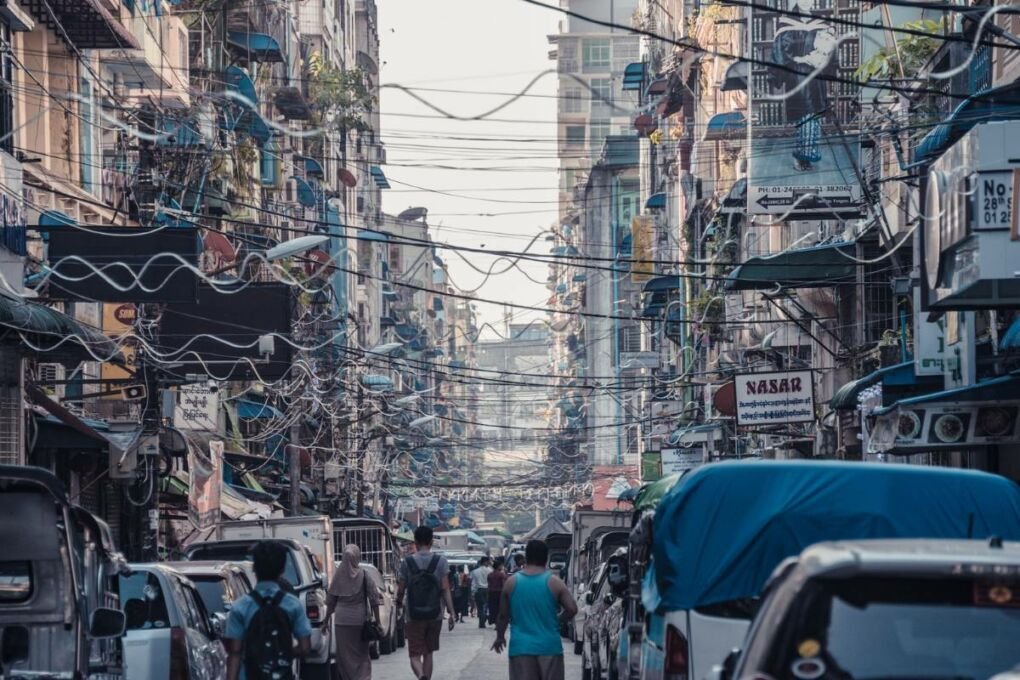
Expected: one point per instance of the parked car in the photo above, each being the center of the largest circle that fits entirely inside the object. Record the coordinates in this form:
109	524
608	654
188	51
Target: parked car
170	634
584	622
301	573
59	613
219	584
387	613
605	615
888	609
721	531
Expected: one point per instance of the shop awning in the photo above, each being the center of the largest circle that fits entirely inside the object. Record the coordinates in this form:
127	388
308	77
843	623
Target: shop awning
656	201
369	235
312	167
241	83
726	126
736	77
55	335
379	177
256	46
736	198
633	76
900	378
306	194
995	104
377	382
815	267
662	283
88	24
63	430
253	410
1006	387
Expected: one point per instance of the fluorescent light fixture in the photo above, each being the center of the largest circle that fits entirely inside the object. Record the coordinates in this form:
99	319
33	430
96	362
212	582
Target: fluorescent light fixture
295	246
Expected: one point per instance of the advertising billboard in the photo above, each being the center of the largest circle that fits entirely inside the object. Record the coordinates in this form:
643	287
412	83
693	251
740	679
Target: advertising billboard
803	157
775	398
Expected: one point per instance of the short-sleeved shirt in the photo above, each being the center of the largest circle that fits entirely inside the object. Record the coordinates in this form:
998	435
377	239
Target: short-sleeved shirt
422	559
480	578
243	611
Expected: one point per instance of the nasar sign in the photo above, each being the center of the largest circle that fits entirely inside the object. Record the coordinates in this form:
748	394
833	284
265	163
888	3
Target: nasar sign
775	398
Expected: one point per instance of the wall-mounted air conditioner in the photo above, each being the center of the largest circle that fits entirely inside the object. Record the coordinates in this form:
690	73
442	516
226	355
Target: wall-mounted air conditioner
970	236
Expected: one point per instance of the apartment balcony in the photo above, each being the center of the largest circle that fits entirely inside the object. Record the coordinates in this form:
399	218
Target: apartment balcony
83	24
158	69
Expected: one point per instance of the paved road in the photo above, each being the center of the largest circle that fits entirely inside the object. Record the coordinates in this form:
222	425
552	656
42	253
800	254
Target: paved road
463	654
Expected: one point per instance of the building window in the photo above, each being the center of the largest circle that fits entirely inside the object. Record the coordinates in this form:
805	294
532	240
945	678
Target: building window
6	95
596	55
630	339
569	178
601	92
575	135
572	101
88	136
598	130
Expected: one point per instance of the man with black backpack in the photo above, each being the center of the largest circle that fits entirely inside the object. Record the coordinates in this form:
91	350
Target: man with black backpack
424	577
262	626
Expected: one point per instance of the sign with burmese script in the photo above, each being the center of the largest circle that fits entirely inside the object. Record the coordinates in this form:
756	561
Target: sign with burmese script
775	398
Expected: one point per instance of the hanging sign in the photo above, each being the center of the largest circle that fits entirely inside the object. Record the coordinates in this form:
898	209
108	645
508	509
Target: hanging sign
197	408
775	398
206	485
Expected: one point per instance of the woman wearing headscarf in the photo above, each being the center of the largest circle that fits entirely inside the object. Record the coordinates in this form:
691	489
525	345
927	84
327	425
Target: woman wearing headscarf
350	594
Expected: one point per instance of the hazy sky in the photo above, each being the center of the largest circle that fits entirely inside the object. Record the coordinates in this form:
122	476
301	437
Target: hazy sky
502	191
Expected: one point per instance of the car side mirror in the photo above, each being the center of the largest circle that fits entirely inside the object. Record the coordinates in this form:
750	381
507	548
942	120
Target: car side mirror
729	665
589	598
218	625
106	623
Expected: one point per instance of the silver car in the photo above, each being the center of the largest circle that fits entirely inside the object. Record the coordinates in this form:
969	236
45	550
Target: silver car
169	632
387	613
220	585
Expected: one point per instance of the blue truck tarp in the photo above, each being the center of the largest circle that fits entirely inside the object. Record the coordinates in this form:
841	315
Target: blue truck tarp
721	531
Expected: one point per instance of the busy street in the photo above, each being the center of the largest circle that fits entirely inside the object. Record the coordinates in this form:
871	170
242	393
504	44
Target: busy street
526	339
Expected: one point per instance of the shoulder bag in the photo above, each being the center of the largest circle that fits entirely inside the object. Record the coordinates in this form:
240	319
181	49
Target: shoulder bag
369	629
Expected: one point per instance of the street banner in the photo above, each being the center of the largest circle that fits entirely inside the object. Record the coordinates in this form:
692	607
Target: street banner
206	485
802	98
775	398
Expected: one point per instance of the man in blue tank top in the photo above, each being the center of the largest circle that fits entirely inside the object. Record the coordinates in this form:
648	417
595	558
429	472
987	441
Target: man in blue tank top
533	604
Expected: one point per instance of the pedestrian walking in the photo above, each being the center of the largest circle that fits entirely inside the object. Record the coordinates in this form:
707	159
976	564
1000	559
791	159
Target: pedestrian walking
464	585
355	598
262	625
496	579
424	588
518	562
455	591
480	589
534	604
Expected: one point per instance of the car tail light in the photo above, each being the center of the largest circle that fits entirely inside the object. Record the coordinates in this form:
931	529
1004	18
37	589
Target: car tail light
676	654
313	608
179	655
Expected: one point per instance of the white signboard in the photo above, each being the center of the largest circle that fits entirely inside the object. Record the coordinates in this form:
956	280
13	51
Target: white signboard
197	408
993	200
775	398
675	461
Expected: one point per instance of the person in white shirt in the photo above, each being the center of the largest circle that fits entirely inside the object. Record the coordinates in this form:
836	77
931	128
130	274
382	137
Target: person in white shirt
480	588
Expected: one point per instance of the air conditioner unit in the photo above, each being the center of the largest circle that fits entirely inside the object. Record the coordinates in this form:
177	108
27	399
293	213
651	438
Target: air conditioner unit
971	239
51	374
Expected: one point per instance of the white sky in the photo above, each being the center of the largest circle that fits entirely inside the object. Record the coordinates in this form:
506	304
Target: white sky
479	46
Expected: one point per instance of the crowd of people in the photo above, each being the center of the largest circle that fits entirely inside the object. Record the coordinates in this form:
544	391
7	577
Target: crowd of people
526	598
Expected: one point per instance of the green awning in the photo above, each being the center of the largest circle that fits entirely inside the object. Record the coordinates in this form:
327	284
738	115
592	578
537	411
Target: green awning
55	334
650	494
815	267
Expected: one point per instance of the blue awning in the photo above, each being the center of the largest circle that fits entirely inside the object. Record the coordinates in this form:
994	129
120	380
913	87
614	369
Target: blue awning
665	283
656	201
580	278
736	77
378	382
55	218
253	410
725	126
369	235
656	294
306	194
995	104
995	389
241	83
815	267
896	380
633	76
256	46
379	177
1011	338
313	168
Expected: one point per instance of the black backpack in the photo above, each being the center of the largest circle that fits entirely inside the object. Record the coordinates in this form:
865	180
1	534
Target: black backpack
423	591
268	641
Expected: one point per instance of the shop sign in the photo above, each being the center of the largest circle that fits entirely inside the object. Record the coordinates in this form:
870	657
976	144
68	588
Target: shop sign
775	398
651	466
197	408
676	461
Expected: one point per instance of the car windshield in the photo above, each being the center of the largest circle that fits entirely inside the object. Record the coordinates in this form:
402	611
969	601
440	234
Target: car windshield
901	628
144	604
241	553
213	591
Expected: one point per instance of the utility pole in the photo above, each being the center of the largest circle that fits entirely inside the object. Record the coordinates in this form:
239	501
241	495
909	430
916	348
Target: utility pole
294	462
359	461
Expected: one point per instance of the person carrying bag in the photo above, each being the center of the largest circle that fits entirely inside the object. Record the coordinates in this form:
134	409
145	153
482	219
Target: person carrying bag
355	599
